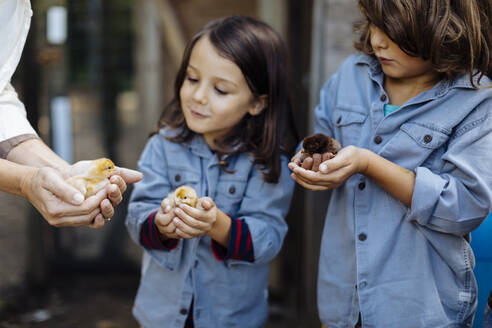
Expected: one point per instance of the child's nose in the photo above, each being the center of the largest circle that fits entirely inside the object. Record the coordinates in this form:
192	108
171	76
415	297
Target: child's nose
200	95
379	39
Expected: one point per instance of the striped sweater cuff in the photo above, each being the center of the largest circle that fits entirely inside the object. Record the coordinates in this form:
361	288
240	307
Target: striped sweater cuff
240	244
150	236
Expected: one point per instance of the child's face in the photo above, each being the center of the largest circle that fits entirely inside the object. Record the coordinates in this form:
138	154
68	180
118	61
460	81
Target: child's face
214	95
395	62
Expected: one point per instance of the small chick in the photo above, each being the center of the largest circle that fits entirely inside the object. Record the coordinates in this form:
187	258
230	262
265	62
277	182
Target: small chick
319	144
91	176
183	195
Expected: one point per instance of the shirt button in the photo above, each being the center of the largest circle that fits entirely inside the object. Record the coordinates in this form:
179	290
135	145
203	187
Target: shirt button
427	138
383	97
362	284
362	236
232	190
378	139
362	185
177	178
183	311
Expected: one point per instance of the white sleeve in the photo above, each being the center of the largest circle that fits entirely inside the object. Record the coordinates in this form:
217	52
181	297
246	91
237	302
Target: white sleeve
14	126
15	16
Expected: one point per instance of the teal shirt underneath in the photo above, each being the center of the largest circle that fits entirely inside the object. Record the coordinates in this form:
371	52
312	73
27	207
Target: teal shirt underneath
388	109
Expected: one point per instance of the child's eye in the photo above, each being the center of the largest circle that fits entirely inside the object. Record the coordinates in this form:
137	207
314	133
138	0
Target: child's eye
191	79
221	92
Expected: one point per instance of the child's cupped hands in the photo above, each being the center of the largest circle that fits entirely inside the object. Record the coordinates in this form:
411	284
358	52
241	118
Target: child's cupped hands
325	171
195	222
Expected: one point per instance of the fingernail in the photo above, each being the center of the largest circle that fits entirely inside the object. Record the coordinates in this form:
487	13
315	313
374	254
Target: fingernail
167	208
175	220
323	168
78	198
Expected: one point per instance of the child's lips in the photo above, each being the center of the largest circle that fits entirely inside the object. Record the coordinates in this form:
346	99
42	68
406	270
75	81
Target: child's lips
384	60
197	114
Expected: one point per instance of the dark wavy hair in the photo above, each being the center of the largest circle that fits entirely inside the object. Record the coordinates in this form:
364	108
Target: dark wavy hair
261	55
455	35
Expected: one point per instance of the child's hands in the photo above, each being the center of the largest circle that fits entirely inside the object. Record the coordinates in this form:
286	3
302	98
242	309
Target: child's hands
323	173
164	220
195	222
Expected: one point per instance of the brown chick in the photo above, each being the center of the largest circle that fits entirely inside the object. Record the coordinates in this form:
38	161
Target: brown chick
319	144
91	176
184	195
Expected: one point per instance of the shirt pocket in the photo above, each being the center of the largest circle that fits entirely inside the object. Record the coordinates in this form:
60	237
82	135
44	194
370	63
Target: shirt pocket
348	126
229	194
417	145
179	176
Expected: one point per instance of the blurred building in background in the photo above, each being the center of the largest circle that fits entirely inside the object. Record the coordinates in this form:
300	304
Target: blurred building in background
94	77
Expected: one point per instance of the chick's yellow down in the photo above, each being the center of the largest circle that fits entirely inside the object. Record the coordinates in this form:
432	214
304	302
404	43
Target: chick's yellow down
184	195
91	176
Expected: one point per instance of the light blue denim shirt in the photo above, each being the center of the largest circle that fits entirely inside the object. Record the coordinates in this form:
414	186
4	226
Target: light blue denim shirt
405	267
230	293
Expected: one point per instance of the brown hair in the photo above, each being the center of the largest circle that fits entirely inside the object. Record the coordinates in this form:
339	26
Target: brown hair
261	55
455	35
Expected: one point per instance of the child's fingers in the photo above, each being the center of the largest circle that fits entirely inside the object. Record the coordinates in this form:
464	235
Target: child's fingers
307	185
182	234
313	178
333	165
307	163
163	219
207	203
316	162
297	158
166	205
183	227
292	166
327	156
190	221
191	211
167	230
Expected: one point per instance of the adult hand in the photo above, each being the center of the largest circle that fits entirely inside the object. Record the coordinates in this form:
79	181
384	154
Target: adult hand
193	222
115	189
59	203
332	172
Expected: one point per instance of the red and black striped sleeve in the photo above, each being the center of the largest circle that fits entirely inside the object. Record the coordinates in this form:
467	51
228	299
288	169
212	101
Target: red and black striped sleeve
240	244
150	236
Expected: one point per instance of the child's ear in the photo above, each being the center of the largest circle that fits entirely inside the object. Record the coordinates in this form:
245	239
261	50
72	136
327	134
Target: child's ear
259	104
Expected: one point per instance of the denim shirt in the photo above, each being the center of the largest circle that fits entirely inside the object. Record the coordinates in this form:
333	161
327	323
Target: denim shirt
227	293
405	267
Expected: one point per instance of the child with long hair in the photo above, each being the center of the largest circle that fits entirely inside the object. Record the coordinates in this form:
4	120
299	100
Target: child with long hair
412	111
228	134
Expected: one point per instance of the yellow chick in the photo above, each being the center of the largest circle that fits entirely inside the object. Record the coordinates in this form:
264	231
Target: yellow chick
91	176
183	195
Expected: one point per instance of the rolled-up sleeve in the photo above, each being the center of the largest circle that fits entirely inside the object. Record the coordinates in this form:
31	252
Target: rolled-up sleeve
14	126
458	199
